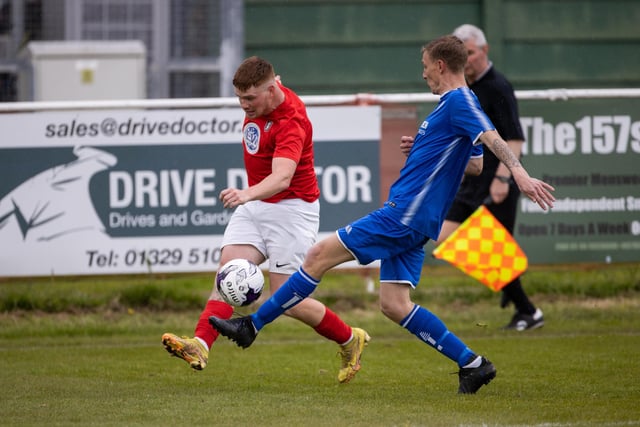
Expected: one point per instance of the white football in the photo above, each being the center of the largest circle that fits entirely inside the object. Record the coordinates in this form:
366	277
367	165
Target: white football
240	282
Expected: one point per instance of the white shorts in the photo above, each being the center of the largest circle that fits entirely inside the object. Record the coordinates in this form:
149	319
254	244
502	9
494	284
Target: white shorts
283	232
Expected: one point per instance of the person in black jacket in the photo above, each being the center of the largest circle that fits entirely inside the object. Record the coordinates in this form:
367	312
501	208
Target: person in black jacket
494	186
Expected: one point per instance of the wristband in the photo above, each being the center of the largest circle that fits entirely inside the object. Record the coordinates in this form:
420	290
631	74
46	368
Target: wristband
503	179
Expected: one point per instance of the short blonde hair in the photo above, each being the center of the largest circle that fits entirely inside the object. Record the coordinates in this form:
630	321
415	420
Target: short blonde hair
449	49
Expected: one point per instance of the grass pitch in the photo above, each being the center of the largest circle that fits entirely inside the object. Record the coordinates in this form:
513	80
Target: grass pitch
106	365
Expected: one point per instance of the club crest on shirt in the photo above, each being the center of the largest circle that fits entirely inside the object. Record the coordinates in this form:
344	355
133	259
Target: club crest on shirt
423	127
251	137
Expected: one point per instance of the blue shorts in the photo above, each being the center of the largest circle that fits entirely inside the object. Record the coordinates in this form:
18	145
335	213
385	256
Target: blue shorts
379	236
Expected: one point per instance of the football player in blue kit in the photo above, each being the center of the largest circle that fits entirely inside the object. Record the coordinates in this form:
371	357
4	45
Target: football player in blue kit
447	145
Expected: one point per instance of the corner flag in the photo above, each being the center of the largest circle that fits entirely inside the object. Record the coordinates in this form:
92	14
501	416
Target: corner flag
482	248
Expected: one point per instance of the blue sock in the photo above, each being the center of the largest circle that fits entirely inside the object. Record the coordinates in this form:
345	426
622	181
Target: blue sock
430	329
299	286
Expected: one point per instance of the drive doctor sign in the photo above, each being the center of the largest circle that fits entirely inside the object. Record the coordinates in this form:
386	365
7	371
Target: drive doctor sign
131	191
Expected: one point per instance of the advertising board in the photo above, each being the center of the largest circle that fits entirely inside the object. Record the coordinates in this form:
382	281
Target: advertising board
135	191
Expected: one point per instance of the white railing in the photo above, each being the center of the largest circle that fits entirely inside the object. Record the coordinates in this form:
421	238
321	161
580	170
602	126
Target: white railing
310	100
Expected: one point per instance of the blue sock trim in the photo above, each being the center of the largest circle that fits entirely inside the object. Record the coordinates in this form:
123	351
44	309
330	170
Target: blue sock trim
409	316
308	278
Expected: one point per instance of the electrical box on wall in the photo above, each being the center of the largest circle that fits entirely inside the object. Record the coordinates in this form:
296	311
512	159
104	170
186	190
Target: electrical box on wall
82	70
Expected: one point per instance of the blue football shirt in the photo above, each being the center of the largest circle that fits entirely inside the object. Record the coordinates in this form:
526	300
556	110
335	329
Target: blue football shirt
429	179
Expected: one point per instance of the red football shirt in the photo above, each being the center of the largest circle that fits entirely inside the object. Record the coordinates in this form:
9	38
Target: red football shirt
285	132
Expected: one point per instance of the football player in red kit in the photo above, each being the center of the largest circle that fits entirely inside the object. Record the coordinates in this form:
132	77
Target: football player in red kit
276	217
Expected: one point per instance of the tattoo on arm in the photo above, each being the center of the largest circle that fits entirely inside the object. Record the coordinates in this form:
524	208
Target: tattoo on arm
504	153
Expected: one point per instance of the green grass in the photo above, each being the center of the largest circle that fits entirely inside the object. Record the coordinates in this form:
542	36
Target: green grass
87	352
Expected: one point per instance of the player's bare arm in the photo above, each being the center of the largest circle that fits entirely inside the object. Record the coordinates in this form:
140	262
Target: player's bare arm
538	191
515	145
282	171
499	188
474	166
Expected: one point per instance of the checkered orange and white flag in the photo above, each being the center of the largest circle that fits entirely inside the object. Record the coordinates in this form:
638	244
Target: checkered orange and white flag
482	248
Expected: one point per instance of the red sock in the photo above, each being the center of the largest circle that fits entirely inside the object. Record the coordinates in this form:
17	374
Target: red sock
332	327
204	330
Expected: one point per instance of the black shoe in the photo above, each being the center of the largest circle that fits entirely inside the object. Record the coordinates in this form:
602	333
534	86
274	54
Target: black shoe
240	330
471	379
522	322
